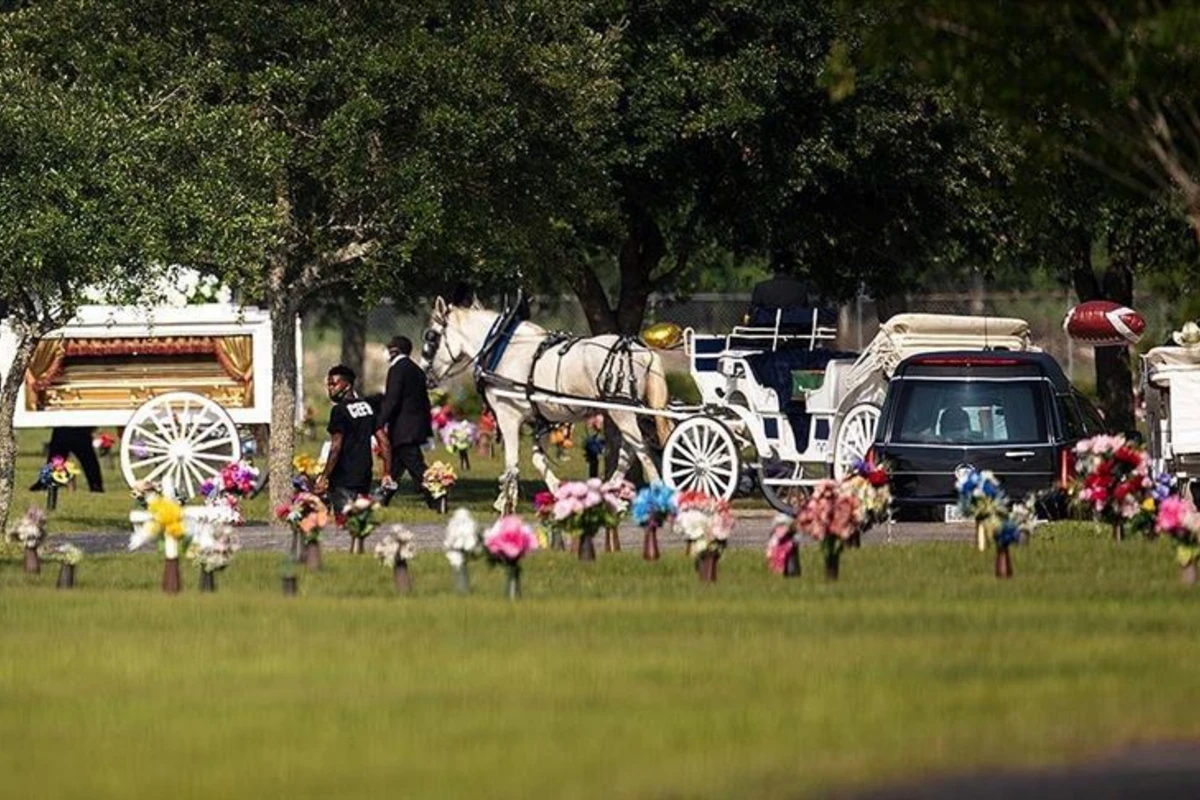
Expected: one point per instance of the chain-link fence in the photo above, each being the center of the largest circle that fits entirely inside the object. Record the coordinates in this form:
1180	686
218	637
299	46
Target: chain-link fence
858	323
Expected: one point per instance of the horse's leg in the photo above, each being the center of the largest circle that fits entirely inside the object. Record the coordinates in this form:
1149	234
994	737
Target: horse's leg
508	422
542	464
632	443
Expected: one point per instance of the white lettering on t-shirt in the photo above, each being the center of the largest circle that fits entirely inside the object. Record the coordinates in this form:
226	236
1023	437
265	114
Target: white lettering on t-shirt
359	410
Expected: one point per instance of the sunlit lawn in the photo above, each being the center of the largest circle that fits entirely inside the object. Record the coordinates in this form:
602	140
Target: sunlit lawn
616	679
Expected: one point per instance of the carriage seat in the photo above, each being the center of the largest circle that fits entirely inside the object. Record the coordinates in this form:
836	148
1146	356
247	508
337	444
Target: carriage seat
776	370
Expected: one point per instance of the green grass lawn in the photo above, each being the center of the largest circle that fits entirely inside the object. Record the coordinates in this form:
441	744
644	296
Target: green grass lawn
615	679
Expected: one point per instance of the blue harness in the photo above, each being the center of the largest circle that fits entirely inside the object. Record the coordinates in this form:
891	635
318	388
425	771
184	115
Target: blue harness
496	342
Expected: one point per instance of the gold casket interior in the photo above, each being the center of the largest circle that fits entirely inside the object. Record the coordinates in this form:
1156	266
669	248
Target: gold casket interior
108	374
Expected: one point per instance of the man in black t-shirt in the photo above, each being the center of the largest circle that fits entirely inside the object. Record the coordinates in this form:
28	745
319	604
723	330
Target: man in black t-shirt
351	429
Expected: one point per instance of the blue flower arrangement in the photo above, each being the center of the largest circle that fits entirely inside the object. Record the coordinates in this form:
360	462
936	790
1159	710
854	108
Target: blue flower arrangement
654	505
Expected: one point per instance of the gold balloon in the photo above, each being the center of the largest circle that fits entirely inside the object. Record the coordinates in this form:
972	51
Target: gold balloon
663	335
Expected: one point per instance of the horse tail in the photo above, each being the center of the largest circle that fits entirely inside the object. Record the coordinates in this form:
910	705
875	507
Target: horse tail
657	396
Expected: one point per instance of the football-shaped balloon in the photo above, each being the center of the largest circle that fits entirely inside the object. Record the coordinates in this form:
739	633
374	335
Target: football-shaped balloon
1103	322
664	335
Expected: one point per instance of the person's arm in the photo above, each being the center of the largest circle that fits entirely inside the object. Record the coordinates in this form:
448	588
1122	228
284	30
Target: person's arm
335	450
385	453
391	400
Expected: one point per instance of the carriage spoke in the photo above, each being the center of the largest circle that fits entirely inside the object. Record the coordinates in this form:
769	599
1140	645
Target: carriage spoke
170	480
217	457
145	462
685	449
172	423
193	474
164	435
187	477
213	444
724	468
200	465
149	437
715	449
181	419
207	432
159	470
151	447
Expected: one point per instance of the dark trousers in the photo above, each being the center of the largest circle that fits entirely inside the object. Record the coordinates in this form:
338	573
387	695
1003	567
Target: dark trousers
342	496
408	458
78	442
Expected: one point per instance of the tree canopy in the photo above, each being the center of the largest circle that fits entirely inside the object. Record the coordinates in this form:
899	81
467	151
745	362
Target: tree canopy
1123	73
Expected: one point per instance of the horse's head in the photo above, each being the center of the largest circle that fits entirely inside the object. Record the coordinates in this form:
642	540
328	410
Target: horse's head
443	347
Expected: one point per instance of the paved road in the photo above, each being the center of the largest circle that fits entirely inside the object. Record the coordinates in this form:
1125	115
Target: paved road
752	530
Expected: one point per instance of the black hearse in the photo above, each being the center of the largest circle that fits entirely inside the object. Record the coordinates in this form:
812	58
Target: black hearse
1014	413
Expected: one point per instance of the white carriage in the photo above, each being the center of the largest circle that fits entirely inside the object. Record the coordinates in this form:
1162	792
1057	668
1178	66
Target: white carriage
179	381
1171	387
777	402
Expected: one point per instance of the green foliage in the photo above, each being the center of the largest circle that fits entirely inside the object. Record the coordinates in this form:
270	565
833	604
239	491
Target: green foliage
1111	82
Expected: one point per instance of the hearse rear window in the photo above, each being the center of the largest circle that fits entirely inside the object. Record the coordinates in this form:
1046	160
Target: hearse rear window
970	412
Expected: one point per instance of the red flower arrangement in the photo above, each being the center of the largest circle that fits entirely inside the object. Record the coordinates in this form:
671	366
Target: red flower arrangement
1114	483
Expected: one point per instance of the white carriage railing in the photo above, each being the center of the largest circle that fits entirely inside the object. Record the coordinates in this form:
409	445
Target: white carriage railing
777	334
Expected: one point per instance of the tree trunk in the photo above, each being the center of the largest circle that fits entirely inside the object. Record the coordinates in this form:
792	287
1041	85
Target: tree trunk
594	301
283	300
1114	376
640	257
354	339
26	341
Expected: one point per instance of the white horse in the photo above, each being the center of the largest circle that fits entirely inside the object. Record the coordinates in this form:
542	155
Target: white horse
516	359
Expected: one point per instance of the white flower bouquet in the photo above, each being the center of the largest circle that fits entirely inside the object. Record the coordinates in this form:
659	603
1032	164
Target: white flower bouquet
461	544
214	552
396	547
31	530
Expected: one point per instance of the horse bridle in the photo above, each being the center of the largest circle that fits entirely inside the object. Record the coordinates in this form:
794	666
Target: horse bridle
431	342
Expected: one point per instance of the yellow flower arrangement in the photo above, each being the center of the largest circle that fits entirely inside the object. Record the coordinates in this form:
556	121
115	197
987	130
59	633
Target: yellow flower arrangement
305	465
166	518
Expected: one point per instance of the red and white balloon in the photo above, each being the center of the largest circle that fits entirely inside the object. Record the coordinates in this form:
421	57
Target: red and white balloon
1103	323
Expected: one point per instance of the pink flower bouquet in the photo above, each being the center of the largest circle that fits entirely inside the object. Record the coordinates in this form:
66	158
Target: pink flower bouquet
1179	519
832	516
223	492
507	542
583	507
782	548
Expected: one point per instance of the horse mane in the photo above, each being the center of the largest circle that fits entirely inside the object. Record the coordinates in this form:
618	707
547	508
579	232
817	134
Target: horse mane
525	326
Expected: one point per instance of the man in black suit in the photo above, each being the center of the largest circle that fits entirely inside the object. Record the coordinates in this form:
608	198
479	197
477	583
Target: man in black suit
404	414
782	291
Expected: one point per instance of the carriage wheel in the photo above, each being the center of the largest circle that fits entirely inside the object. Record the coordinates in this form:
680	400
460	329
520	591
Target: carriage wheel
178	438
784	499
855	436
701	456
